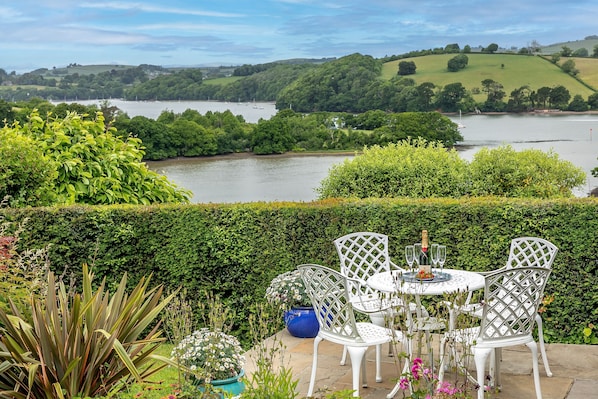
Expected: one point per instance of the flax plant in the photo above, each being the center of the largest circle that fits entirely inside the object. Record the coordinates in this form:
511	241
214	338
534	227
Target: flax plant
85	344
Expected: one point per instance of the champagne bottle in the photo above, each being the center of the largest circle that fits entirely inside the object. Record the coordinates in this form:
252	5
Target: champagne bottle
424	258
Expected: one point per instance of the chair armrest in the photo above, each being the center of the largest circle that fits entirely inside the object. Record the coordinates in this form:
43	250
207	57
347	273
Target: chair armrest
395	267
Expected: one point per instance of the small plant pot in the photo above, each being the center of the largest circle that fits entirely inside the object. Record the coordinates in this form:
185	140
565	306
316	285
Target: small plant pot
232	385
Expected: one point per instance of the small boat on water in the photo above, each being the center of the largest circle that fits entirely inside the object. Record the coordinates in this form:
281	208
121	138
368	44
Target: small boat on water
460	124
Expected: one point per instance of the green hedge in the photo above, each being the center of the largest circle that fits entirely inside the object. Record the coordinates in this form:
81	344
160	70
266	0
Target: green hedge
236	249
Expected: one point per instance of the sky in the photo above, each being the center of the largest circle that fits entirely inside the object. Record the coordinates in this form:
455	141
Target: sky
54	33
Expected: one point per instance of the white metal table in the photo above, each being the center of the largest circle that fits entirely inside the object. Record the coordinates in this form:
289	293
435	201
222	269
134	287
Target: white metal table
457	281
448	282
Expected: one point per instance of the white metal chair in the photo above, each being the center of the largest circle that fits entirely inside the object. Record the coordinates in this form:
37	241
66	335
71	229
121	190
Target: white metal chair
328	290
363	254
511	300
524	252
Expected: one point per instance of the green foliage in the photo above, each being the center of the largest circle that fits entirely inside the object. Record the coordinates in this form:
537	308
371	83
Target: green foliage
457	62
272	378
589	335
528	173
450	97
559	97
271	137
492	48
581	52
341	131
334	86
81	344
6	113
237	249
27	175
22	273
406	68
569	67
92	165
578	104
421	169
519	71
183	84
407	169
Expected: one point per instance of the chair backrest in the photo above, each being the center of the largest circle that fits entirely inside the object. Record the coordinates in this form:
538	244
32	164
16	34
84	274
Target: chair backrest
531	251
363	254
511	300
327	290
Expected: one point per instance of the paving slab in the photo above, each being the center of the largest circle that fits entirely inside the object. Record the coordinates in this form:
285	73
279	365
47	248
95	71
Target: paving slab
574	368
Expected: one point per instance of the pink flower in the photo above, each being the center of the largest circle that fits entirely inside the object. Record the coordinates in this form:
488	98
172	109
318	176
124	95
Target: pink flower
404	383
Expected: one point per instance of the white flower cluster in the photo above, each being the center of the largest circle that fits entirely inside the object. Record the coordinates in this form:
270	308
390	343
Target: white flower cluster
287	290
214	354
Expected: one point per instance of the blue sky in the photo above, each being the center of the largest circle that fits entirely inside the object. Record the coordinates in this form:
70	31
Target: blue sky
48	33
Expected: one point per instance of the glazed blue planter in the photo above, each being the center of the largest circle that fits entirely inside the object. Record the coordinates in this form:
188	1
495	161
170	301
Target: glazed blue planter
301	322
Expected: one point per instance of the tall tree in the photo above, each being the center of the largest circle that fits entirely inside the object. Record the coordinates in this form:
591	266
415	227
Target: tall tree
449	97
559	97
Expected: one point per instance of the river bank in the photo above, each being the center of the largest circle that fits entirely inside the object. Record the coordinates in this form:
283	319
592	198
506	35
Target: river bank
247	155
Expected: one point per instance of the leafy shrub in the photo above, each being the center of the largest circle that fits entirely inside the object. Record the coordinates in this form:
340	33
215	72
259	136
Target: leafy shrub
410	168
526	174
26	174
81	162
421	169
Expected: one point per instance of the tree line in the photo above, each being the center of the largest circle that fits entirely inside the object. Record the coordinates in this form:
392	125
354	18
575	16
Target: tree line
347	84
191	134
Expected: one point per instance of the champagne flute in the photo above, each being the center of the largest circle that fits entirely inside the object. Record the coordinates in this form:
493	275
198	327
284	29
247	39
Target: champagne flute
410	255
434	255
417	250
441	256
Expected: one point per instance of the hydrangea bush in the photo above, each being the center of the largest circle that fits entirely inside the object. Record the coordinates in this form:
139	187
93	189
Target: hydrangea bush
211	355
287	290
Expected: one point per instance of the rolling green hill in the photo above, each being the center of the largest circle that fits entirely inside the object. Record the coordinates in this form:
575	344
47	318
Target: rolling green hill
588	44
510	70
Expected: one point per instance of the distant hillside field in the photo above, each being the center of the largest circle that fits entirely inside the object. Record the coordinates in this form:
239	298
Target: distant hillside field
512	71
588	70
588	44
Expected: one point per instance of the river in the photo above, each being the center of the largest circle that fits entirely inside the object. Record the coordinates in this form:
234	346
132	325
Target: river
252	112
294	178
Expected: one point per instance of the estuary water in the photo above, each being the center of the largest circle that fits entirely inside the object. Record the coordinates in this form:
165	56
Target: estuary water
252	112
294	178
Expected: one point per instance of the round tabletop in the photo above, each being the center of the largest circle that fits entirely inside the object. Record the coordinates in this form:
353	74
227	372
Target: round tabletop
453	281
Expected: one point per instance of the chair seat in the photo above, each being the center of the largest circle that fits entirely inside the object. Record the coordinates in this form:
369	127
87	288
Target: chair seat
369	334
374	303
470	337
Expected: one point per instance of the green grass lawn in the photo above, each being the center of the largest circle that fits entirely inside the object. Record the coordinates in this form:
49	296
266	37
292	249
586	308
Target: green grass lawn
588	70
163	383
512	71
221	81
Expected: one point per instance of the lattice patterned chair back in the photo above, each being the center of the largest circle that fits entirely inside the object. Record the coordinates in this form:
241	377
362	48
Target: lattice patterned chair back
327	289
362	255
511	300
531	251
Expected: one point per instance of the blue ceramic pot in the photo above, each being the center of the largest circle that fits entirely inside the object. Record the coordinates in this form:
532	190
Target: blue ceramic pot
301	322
